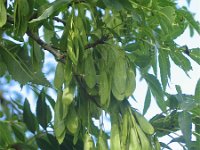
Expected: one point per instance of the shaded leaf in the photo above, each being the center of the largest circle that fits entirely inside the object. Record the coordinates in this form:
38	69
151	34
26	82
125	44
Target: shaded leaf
43	143
22	146
43	111
29	118
113	4
19	131
185	123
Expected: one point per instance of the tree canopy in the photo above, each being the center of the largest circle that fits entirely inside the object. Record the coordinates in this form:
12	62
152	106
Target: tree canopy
100	47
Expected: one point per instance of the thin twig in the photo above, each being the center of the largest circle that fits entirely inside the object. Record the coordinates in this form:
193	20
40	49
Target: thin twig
102	40
60	20
58	55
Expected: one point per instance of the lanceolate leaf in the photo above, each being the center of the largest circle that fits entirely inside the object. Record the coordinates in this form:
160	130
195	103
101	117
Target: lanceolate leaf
164	66
20	71
156	90
55	6
29	118
147	101
188	16
195	55
197	91
181	61
185	124
59	75
6	135
3	15
43	111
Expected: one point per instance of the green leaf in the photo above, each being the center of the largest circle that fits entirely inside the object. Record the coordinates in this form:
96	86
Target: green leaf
18	72
3	68
181	61
29	118
55	6
168	12
172	102
197	91
43	111
131	47
189	17
188	105
37	56
59	124
19	131
185	123
21	72
147	101
59	75
51	100
113	4
195	55
164	66
21	12
166	17
43	143
22	146
53	141
90	71
6	135
3	14
156	90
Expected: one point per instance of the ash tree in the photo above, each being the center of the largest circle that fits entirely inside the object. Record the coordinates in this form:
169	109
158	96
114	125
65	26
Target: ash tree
99	47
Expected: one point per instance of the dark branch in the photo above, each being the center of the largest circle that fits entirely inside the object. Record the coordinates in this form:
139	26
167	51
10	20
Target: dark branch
59	20
56	52
58	55
102	40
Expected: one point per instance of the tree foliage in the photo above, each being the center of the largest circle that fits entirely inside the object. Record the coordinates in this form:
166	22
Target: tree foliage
100	47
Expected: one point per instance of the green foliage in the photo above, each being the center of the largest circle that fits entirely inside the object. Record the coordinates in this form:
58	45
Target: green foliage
100	46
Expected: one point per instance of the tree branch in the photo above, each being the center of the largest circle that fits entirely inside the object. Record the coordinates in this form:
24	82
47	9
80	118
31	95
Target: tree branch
102	40
59	20
57	54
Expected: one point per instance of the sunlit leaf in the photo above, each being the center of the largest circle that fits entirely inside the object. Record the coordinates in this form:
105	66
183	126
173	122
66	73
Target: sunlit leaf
197	91
181	61
189	17
195	55
55	6
156	90
147	101
59	75
164	66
